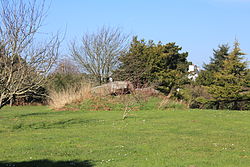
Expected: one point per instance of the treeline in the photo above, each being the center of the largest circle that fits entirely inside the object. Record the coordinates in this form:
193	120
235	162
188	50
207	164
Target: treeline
226	79
29	69
224	83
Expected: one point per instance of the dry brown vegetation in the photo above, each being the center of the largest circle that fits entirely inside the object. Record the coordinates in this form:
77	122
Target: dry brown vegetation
168	103
59	100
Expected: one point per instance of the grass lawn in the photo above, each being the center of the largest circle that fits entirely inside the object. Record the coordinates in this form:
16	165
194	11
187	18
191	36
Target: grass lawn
38	136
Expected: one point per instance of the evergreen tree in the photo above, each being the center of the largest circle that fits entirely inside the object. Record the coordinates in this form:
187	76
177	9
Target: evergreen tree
216	62
229	82
206	76
169	67
158	64
134	64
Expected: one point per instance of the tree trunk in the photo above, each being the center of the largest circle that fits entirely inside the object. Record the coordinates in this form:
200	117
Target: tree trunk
235	105
2	102
170	93
11	102
1	106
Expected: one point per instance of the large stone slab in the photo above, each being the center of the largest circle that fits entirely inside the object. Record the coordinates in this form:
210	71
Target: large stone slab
114	88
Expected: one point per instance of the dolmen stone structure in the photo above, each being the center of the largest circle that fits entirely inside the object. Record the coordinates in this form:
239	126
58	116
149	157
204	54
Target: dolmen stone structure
114	88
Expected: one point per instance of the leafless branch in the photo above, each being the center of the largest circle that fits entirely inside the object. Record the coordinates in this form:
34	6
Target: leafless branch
24	62
98	52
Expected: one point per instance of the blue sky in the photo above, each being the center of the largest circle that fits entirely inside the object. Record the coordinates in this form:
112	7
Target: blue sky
198	26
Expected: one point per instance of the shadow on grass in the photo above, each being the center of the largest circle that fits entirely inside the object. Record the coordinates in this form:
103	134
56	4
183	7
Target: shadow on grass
34	114
48	163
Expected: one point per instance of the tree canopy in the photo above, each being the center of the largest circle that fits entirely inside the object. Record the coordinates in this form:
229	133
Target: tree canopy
98	52
147	63
228	76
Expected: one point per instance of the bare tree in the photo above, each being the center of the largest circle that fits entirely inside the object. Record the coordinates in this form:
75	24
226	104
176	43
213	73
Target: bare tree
24	63
66	66
98	53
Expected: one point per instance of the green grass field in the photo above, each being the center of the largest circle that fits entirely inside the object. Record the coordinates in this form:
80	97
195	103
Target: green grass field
39	136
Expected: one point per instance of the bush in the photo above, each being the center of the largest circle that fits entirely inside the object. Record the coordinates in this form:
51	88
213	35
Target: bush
198	97
202	103
61	82
30	98
195	96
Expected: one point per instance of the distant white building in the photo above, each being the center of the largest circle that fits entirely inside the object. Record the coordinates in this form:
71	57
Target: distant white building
110	79
193	72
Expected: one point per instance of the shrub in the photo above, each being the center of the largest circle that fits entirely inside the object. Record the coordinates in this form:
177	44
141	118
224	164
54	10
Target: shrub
196	97
62	82
202	103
